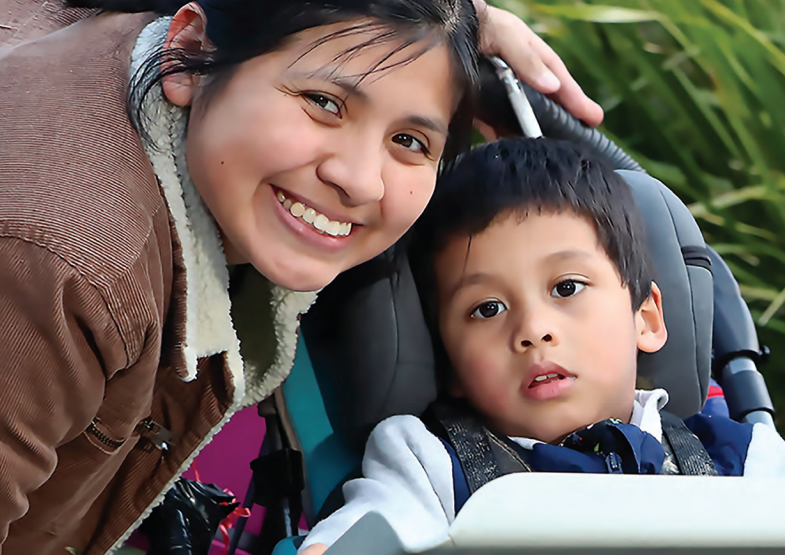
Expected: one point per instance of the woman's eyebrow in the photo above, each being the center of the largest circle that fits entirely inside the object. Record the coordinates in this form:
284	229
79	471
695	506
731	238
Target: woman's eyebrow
351	85
428	123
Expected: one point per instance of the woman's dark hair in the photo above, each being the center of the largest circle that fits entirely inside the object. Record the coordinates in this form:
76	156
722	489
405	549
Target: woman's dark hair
243	29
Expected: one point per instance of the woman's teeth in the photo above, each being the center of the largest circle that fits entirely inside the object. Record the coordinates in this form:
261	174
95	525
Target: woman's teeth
316	220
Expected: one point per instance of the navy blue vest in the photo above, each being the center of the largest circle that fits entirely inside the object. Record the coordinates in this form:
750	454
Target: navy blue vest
614	447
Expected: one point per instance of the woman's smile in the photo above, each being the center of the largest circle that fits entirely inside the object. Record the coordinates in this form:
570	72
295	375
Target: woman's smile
309	232
317	219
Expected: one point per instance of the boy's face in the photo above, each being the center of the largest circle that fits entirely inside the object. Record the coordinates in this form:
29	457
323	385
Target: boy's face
538	327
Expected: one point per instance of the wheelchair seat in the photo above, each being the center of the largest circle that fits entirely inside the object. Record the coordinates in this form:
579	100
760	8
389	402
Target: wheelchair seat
366	353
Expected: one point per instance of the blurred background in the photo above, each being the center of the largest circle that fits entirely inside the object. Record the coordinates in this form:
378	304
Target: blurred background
694	90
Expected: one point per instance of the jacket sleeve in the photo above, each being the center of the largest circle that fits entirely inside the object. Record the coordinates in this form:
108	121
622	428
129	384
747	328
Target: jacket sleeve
766	454
22	20
57	338
407	477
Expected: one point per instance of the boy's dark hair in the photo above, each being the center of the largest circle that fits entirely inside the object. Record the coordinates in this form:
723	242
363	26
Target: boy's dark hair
520	176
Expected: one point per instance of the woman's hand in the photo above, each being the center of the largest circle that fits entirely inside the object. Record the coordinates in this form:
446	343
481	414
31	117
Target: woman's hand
533	61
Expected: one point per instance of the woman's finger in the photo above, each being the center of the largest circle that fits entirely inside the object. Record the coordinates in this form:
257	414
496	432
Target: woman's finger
569	94
534	62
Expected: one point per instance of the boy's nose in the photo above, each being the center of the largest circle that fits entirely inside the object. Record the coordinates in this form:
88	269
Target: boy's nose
536	327
547	338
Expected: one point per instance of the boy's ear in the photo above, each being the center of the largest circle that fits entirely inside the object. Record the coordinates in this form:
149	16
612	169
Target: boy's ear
187	33
650	323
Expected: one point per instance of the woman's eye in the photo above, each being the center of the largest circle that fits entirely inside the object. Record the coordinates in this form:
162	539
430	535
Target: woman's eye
409	142
325	103
567	288
488	309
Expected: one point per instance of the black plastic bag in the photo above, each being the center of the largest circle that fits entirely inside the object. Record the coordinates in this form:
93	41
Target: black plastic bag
187	520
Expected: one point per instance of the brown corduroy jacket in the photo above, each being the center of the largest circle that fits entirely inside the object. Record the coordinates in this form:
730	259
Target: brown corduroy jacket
98	361
22	20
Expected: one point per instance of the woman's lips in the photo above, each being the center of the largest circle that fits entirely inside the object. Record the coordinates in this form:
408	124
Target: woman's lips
306	232
313	217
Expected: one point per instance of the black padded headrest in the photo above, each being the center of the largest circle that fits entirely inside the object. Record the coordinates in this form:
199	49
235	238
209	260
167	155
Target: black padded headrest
370	348
372	354
682	271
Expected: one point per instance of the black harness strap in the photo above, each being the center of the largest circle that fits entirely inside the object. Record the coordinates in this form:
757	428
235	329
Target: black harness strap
669	466
471	444
690	454
483	456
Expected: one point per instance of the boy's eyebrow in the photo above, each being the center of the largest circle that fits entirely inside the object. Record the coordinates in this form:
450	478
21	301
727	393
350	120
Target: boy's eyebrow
476	278
568	254
469	280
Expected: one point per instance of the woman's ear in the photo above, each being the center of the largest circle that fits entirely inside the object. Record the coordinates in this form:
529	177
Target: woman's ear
488	132
187	33
650	323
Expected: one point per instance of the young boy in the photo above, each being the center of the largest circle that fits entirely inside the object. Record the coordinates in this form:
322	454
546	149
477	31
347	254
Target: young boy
537	276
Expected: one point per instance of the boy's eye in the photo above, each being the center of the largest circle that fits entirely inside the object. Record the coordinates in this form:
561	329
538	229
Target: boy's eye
324	102
567	288
409	142
488	309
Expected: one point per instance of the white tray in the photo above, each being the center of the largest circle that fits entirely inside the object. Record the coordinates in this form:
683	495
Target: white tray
595	513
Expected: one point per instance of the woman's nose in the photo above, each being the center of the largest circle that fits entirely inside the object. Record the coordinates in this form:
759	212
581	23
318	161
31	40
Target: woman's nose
355	168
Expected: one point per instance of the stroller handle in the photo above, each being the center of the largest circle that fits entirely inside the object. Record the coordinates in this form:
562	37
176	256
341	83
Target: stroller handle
736	350
548	117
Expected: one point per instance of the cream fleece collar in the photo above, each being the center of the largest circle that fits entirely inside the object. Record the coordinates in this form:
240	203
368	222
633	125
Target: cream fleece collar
209	329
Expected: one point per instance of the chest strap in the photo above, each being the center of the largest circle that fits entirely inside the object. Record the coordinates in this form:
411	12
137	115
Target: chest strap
690	454
482	455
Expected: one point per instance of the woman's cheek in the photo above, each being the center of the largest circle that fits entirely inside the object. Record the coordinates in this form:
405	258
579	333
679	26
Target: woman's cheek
410	199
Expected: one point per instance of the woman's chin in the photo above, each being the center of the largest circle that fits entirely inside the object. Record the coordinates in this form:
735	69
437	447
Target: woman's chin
304	277
302	284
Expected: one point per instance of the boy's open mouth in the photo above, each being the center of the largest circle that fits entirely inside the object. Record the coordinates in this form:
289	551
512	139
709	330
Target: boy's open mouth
546	381
546	378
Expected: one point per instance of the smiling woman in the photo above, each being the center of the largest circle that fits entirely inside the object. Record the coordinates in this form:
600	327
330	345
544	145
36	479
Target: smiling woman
346	133
148	148
160	150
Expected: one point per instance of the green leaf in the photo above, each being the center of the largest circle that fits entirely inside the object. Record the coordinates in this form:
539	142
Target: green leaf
598	14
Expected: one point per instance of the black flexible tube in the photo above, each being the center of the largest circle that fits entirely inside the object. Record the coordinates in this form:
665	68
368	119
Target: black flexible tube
558	123
555	121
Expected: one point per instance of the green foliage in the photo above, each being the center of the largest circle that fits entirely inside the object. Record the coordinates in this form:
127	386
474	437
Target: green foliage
695	91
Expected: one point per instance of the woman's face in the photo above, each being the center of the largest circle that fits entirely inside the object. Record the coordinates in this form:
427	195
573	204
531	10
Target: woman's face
309	164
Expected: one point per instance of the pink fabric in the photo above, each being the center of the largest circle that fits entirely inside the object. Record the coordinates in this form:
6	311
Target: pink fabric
225	461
